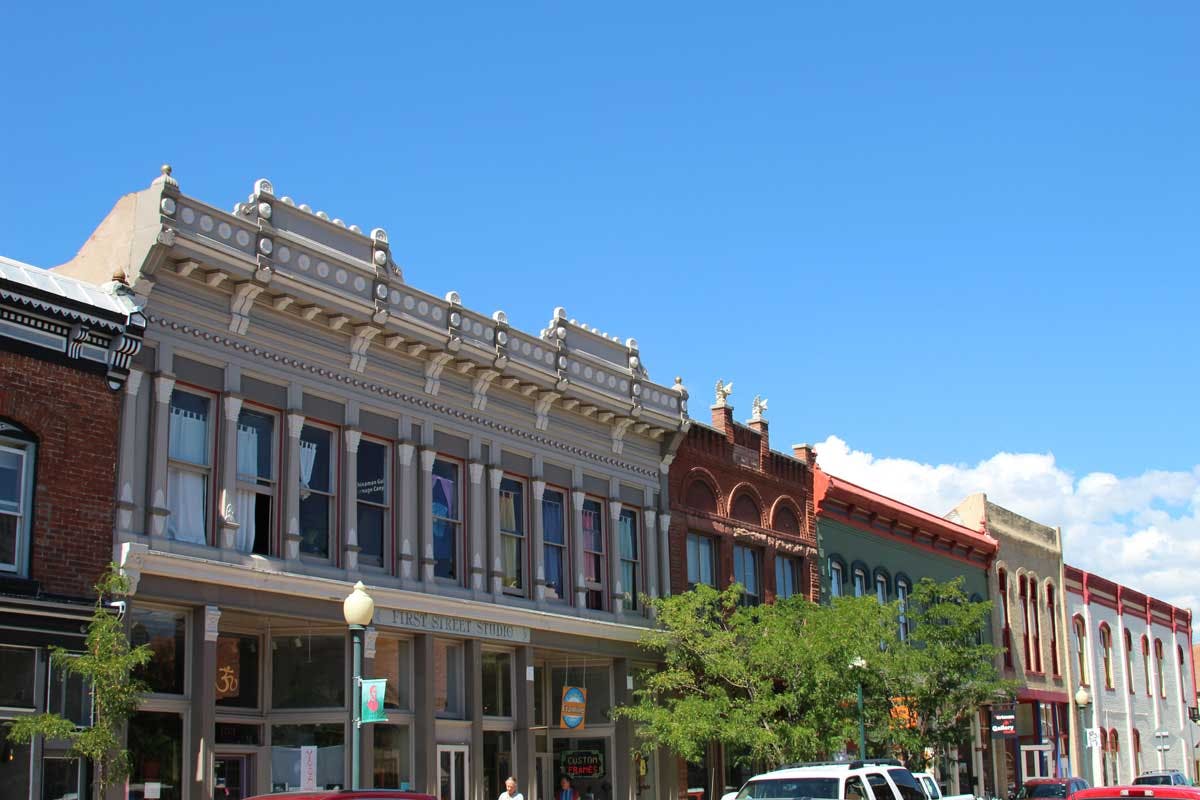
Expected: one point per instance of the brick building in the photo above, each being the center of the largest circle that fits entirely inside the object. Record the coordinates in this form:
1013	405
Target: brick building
740	512
65	346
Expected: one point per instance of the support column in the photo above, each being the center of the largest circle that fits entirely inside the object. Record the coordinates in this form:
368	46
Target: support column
227	518
623	741
664	553
199	768
495	554
291	488
615	587
524	761
350	500
407	516
477	519
425	539
650	550
577	497
164	385
473	700
537	548
127	508
425	776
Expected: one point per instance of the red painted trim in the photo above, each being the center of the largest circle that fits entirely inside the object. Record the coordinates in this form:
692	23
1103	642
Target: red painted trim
1042	695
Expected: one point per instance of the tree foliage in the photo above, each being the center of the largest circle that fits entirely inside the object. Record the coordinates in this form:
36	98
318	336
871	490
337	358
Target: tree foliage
774	683
107	666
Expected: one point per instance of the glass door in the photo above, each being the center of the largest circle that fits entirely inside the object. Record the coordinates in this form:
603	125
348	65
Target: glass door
452	772
231	777
547	788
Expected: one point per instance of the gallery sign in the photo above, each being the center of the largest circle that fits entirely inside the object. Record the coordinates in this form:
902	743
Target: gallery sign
425	622
1004	722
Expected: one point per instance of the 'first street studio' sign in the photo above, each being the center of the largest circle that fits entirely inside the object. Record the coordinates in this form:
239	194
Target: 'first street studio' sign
456	626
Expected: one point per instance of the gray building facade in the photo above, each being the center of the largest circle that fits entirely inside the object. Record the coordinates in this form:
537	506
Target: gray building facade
299	419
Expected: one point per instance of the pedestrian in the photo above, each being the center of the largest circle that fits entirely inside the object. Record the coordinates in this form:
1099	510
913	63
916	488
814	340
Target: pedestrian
510	790
565	792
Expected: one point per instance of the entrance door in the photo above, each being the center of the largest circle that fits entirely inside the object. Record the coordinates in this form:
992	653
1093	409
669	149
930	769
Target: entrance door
231	777
452	772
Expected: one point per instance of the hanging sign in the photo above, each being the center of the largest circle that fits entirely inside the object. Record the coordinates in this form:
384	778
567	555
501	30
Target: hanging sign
583	764
1004	722
574	708
308	767
1093	738
371	707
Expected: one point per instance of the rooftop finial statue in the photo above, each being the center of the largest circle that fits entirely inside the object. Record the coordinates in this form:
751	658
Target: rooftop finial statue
723	392
758	406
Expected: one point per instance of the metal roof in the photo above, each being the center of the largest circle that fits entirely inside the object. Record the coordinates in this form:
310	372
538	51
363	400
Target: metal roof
79	293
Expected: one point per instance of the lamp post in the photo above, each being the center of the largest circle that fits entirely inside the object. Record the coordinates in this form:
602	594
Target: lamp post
358	609
858	665
1082	699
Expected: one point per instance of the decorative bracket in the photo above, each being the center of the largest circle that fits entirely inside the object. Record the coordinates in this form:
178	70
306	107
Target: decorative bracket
240	304
433	371
618	434
76	338
542	408
359	344
479	388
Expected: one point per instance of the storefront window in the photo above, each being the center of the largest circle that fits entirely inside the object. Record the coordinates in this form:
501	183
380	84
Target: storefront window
497	684
237	733
164	632
237	671
595	679
70	696
14	762
448	679
308	671
289	744
588	762
60	778
156	750
392	769
539	691
393	660
17	665
497	761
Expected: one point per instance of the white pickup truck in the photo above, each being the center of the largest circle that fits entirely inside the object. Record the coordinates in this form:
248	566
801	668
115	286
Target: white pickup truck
934	792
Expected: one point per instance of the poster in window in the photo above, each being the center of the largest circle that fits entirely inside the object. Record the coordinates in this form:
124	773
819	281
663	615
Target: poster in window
229	668
574	708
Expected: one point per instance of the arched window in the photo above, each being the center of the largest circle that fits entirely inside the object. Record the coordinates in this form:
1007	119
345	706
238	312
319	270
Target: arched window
860	581
1158	668
1037	625
902	589
1053	630
1114	757
1006	635
1022	590
837	577
1146	663
1137	752
1081	646
785	520
881	588
1106	651
746	510
700	497
1129	661
1182	679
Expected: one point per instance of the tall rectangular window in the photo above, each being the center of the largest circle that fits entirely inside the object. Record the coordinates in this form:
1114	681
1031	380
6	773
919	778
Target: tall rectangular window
1106	651
512	535
374	509
156	755
18	665
70	696
701	561
1037	625
593	553
448	679
255	512
497	684
630	552
881	589
317	482
745	572
447	519
189	468
16	496
237	670
165	633
902	597
308	671
787	576
554	543
1158	668
837	579
393	660
1129	661
860	582
1054	667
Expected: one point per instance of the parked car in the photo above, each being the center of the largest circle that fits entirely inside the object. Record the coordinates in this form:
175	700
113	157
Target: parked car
345	794
1051	787
1161	777
868	779
1156	791
933	791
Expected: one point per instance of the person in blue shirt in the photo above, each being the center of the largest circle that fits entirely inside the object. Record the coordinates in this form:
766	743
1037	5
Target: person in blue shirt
565	792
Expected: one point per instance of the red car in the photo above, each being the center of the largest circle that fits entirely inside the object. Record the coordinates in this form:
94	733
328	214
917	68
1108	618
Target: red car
1140	792
1064	788
345	794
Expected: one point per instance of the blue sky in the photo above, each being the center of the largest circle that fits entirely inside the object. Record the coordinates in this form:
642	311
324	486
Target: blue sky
934	231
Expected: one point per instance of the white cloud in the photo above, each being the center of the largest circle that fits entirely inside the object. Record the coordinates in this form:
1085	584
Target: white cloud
1140	530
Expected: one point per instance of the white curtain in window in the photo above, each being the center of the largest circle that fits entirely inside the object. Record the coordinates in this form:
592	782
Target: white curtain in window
188	436
244	514
508	512
186	500
247	452
308	458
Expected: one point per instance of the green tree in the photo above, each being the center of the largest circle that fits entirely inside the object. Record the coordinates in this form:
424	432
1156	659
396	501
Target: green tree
107	665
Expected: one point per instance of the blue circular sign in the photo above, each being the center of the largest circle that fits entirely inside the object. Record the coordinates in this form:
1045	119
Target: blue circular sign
573	706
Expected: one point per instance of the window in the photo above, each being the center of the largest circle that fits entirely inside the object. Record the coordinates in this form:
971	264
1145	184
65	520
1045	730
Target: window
447	518
448	679
554	543
1106	651
1146	663
317	471
595	679
18	454
1081	646
512	535
746	510
156	753
902	589
1182	679
70	696
1129	660
1022	589
837	578
393	660
860	582
1002	577
164	632
1036	620
287	742
237	671
255	512
497	684
308	671
17	665
787	576
1053	631
189	466
881	589
391	752
745	572
630	552
1158	668
907	784
701	561
593	554
1137	752
374	508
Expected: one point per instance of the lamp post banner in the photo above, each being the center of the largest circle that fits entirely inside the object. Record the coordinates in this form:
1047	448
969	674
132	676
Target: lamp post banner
371	708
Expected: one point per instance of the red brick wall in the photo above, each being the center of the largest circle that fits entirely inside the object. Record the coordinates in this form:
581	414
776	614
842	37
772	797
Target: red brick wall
730	455
74	416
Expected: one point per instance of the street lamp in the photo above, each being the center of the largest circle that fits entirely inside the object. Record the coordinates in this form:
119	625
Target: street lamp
1082	699
358	609
858	665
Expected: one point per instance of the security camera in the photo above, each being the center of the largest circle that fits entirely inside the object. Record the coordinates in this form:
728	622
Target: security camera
119	605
